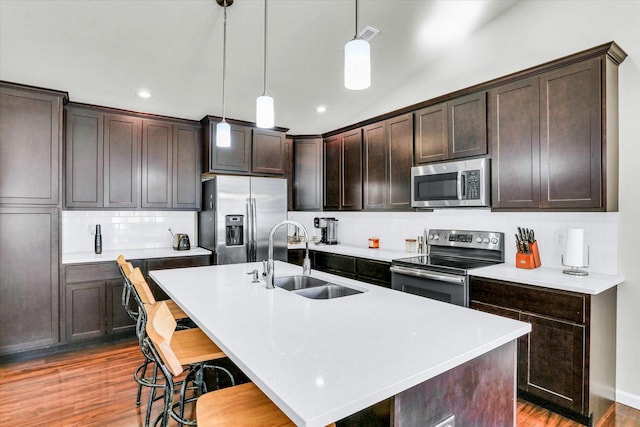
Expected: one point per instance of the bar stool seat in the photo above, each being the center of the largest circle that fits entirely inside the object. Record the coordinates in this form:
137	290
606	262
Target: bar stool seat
241	405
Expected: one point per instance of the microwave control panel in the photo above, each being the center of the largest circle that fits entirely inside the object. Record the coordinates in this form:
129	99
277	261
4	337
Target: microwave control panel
472	187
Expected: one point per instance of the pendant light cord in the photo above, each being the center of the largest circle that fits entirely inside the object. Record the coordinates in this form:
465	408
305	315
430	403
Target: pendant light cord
265	48
355	35
224	60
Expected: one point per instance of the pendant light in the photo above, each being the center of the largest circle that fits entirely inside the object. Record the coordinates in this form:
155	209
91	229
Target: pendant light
357	61
264	103
223	130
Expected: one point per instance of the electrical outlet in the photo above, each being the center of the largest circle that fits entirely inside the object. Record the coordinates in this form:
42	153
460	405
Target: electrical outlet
92	229
447	422
560	237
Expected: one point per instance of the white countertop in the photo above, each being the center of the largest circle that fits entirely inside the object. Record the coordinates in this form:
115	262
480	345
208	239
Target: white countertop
322	360
554	278
357	251
87	257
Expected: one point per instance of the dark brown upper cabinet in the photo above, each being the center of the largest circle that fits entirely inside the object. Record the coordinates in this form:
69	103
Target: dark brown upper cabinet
452	129
30	145
553	137
268	152
170	165
252	151
288	170
307	170
388	157
343	171
126	161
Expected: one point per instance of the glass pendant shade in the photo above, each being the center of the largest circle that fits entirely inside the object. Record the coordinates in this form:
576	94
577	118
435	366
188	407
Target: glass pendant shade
223	134
357	65
264	111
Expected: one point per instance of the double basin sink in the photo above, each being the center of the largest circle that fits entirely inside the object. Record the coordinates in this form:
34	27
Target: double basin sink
313	288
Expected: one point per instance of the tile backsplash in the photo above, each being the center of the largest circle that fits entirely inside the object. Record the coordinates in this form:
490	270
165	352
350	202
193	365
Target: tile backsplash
126	229
392	228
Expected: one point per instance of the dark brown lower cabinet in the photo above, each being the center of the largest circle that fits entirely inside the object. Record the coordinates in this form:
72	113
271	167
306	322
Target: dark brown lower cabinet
567	362
362	269
92	306
93	302
29	256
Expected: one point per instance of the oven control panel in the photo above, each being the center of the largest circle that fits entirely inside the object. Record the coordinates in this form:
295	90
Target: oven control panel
491	240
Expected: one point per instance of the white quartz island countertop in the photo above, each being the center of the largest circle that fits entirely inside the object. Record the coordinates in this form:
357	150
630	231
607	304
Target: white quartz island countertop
322	360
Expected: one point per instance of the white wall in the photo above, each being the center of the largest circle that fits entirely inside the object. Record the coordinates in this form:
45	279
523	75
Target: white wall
528	34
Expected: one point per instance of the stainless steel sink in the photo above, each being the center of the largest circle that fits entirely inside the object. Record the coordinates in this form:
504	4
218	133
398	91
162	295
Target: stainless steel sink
313	288
327	292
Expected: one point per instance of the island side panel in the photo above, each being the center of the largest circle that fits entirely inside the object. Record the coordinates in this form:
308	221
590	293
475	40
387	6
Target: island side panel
480	392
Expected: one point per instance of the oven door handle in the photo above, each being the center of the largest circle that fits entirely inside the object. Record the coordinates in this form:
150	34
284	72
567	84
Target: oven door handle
456	280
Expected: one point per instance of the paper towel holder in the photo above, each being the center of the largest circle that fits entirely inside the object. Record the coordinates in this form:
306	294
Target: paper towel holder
574	270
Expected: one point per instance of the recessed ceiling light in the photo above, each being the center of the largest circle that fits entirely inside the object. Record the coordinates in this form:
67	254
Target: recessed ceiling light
144	93
321	109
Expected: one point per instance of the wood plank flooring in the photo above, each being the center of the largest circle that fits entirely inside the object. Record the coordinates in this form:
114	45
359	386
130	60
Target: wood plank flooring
95	387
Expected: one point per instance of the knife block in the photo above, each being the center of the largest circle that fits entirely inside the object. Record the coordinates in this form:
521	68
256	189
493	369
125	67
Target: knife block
529	261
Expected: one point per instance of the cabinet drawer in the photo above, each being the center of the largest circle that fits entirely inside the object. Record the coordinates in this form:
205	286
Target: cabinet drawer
87	272
376	270
177	262
548	302
326	261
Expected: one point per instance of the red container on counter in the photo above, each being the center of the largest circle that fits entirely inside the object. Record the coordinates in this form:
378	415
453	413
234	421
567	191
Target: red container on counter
374	242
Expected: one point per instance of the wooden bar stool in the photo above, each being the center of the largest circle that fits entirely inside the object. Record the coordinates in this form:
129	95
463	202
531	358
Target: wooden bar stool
142	287
125	270
177	352
241	405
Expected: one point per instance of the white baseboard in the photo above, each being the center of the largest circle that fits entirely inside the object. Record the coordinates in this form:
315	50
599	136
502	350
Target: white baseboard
628	399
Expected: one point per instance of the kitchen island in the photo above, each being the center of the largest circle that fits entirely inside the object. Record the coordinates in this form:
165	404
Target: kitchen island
323	360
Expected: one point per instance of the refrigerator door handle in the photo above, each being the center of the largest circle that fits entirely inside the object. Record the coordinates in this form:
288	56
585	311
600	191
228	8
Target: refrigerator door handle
249	243
254	231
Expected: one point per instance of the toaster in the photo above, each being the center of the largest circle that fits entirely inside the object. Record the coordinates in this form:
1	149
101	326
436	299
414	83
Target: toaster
181	242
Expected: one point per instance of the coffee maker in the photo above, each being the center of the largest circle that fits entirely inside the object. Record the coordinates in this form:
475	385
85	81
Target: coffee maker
328	230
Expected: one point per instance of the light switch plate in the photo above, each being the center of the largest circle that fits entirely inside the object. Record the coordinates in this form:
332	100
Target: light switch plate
447	422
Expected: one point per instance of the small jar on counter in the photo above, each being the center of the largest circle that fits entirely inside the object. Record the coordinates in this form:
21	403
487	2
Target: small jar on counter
410	245
374	243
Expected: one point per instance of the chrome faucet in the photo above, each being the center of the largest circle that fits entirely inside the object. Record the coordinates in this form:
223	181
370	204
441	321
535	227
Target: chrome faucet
306	264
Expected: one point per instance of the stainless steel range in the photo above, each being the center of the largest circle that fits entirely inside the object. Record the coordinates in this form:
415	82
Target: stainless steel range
443	273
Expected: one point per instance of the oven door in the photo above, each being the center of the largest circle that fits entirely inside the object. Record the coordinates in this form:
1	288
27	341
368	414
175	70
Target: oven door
444	287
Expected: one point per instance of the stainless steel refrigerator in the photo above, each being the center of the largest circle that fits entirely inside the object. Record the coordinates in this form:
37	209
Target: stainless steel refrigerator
237	215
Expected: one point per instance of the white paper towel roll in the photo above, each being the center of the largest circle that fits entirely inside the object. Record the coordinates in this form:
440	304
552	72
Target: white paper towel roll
574	252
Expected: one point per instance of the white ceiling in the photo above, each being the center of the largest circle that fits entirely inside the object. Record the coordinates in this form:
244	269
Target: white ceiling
102	51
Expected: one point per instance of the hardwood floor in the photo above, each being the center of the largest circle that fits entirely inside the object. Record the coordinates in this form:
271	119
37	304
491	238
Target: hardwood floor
95	387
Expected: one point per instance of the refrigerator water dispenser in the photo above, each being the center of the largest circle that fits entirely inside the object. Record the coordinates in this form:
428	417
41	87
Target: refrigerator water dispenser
234	230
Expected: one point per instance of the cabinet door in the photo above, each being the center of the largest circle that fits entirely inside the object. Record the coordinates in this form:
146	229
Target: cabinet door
571	157
400	136
332	168
237	157
29	278
307	170
84	167
268	152
515	144
376	166
375	272
288	171
467	122
187	185
121	153
352	171
554	366
30	146
118	321
431	134
157	164
341	265
85	310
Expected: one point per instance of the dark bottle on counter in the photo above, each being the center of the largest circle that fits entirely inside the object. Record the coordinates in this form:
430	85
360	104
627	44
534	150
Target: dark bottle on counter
98	241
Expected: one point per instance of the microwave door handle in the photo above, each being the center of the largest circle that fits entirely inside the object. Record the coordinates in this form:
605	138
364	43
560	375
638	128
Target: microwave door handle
461	186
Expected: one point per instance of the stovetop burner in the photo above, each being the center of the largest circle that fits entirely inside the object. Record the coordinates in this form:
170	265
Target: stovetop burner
443	264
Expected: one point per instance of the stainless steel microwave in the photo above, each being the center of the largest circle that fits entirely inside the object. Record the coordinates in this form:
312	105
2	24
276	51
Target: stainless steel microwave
462	183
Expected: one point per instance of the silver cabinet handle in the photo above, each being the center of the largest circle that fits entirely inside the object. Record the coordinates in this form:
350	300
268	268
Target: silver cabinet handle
442	277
